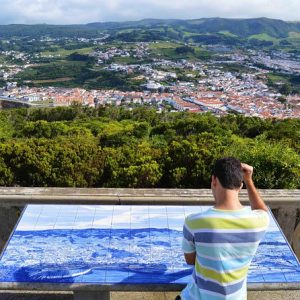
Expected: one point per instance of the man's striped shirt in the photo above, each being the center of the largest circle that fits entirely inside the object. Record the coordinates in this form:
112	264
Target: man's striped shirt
225	242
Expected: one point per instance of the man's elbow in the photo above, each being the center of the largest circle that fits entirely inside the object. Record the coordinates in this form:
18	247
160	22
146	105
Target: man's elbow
190	258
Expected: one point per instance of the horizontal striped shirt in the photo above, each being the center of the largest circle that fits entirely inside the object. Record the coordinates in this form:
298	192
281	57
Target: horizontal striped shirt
225	242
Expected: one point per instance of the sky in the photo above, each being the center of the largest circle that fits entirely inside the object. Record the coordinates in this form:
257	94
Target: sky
87	11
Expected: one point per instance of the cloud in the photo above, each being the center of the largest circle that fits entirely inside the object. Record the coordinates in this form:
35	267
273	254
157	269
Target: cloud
85	11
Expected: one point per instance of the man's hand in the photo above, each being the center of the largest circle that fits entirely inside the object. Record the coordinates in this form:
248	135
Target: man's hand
254	197
247	172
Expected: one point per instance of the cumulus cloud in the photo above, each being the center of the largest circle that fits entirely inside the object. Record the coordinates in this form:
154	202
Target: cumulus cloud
85	11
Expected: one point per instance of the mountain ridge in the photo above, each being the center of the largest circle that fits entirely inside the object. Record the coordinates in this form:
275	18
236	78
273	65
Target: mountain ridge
168	28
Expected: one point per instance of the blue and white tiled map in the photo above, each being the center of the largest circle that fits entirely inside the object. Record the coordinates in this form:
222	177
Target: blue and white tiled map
120	244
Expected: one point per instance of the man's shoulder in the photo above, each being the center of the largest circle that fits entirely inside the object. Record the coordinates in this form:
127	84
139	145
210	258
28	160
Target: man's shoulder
256	217
195	218
199	215
261	215
260	212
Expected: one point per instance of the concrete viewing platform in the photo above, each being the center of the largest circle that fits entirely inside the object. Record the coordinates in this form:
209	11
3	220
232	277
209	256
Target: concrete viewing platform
285	205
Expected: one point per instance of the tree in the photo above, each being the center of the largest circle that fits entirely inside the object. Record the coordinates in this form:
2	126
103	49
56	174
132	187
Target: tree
115	147
59	162
135	165
276	165
184	50
286	89
188	162
44	129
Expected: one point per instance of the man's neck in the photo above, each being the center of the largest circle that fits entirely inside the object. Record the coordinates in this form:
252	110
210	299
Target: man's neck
228	200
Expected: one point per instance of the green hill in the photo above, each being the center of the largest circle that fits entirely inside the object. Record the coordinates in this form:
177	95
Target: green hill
239	27
259	31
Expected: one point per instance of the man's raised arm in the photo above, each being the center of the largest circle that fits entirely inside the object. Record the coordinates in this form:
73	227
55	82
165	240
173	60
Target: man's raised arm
256	201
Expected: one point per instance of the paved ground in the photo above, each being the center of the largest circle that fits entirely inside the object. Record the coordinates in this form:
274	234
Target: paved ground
274	295
9	296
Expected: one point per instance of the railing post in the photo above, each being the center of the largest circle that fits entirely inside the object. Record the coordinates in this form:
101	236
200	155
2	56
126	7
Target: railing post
286	219
296	241
8	219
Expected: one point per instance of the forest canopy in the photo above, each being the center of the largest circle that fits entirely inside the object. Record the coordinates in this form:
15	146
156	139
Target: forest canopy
115	147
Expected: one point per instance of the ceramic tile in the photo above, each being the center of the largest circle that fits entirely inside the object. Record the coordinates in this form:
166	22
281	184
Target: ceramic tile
46	221
37	209
27	222
83	222
121	208
49	211
255	275
64	222
292	275
102	219
84	209
157	209
121	220
158	222
139	218
183	278
178	210
67	211
120	244
96	275
175	223
272	276
139	209
194	209
143	224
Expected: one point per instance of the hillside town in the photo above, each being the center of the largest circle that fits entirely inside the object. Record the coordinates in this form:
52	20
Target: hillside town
207	86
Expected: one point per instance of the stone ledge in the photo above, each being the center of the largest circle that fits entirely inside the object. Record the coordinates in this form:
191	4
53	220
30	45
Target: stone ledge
21	196
37	287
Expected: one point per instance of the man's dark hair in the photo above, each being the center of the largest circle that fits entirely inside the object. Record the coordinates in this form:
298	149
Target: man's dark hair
229	172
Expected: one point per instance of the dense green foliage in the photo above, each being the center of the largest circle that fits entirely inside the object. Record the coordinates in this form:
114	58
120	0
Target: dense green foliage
115	147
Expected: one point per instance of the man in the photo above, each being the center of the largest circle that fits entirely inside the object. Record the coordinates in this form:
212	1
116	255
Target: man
222	241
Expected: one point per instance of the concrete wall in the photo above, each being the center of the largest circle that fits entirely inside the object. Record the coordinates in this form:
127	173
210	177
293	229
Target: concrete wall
8	219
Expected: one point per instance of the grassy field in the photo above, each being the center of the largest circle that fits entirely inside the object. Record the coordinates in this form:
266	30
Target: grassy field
294	38
168	51
125	60
52	72
164	45
188	34
2	59
227	33
294	35
263	37
63	52
276	79
53	80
